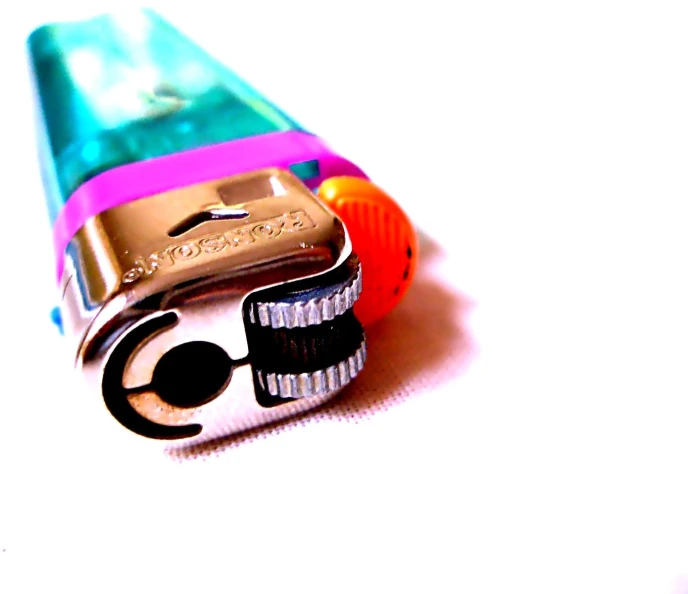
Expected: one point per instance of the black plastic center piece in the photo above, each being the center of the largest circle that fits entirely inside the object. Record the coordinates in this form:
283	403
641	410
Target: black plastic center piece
192	374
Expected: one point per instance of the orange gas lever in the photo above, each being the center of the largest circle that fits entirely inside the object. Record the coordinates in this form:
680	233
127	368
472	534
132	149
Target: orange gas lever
382	236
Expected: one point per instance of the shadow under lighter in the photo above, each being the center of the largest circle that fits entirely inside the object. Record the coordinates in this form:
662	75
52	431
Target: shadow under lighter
207	290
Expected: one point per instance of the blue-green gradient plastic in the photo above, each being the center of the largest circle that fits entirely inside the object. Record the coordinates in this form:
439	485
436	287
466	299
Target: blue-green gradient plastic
124	88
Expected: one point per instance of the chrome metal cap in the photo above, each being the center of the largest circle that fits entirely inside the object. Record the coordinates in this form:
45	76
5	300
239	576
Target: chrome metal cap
208	310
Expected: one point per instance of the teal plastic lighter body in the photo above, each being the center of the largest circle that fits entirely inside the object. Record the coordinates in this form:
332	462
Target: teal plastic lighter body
124	88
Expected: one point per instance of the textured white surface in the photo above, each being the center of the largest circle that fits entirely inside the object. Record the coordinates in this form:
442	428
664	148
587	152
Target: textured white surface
521	424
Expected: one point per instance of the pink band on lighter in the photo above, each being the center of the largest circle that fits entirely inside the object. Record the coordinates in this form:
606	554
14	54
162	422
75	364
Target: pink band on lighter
146	178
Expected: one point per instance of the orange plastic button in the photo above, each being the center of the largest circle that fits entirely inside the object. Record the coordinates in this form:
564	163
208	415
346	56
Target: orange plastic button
382	236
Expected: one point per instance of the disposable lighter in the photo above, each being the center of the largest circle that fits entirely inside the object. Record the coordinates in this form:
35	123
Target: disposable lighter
210	251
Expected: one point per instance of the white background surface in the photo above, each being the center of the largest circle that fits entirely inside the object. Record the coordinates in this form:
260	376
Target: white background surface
521	424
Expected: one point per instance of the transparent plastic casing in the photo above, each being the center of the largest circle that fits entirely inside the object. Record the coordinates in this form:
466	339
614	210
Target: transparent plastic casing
129	87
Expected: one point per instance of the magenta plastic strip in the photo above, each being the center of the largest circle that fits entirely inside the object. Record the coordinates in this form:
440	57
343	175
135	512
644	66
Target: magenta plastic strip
146	178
